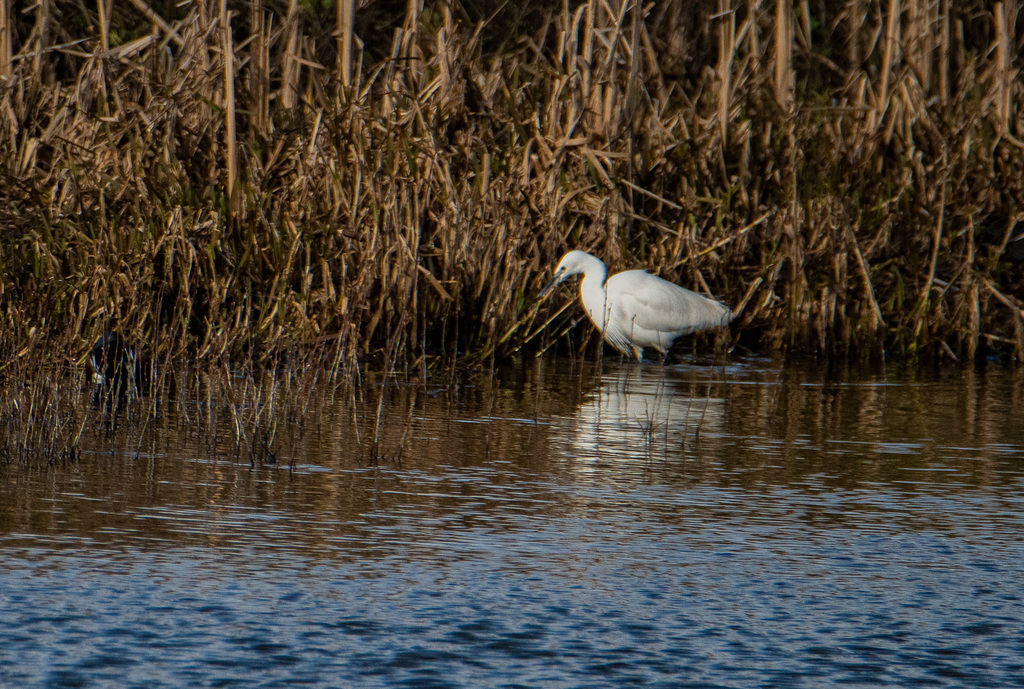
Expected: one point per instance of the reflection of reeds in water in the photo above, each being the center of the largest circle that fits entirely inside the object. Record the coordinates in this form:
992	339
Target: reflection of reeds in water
749	423
372	403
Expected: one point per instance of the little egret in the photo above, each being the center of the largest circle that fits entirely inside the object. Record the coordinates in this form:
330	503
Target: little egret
635	309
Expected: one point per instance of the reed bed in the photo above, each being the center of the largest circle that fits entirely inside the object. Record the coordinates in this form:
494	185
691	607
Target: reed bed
286	184
243	414
42	416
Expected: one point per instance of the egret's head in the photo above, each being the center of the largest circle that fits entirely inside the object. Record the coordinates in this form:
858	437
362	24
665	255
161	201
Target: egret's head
573	263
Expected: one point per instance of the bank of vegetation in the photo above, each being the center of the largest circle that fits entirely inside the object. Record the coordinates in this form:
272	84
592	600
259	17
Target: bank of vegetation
294	181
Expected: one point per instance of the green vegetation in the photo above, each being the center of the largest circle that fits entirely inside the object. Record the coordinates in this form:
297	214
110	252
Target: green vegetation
250	182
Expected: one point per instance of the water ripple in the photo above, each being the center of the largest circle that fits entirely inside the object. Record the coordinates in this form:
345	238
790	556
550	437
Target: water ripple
655	527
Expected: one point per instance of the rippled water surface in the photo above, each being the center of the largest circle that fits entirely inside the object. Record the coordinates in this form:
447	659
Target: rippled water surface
558	526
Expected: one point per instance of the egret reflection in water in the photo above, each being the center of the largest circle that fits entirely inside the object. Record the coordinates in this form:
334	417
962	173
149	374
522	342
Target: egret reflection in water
644	411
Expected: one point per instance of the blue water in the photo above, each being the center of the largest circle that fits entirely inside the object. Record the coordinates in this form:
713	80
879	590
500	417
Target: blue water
780	532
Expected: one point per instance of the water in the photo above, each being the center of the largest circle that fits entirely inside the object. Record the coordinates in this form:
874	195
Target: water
559	526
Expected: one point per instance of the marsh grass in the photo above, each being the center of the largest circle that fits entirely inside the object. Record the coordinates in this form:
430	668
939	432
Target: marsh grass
243	411
42	418
302	187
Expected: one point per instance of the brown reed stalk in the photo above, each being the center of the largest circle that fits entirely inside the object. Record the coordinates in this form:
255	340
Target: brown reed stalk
944	41
1003	19
290	69
877	320
102	13
591	90
1017	311
259	69
784	81
920	40
40	39
228	58
346	10
854	15
159	21
926	290
890	58
6	36
970	283
405	47
726	46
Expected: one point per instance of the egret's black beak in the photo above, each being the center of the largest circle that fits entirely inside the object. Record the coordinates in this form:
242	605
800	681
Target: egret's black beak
548	288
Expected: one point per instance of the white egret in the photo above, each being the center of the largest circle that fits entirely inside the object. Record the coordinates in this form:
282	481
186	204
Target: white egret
635	309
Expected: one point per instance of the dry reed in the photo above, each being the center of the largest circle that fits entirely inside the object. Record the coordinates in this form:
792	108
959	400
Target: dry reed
229	183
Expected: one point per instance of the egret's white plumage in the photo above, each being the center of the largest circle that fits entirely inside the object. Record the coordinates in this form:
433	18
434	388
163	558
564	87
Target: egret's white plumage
635	309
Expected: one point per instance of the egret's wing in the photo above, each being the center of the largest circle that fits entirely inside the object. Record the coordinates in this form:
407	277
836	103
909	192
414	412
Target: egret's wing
620	338
648	302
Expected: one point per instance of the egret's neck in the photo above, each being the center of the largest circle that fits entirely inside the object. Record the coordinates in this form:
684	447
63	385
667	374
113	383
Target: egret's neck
592	292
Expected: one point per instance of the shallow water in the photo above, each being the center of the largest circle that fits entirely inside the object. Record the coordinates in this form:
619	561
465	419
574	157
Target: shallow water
558	526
